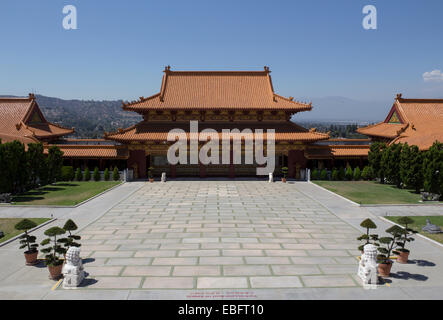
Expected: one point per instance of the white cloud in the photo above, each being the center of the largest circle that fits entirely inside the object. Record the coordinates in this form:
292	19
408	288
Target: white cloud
433	76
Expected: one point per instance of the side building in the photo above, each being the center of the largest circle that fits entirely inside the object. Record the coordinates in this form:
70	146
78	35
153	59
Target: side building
414	121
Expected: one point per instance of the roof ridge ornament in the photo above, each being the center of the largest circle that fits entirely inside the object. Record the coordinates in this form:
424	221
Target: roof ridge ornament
267	69
31	96
399	96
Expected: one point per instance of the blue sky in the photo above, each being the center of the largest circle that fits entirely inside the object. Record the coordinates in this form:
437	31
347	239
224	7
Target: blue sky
314	48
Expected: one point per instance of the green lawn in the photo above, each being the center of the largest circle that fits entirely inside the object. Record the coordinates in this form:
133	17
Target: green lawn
420	222
63	193
7	226
369	192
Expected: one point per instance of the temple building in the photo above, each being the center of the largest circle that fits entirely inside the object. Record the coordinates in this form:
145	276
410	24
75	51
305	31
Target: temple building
414	121
224	100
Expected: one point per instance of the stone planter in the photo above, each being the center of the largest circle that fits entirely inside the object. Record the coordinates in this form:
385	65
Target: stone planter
403	256
55	272
151	180
384	269
31	258
283	180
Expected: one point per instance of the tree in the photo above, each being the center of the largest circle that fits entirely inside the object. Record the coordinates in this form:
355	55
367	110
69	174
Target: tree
13	167
433	169
115	174
96	174
79	175
357	174
341	173
390	163
35	162
55	163
87	176
411	167
106	174
374	159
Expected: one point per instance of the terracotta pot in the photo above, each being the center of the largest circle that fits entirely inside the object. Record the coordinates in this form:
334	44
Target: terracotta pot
55	272
283	180
384	269
31	258
151	180
403	257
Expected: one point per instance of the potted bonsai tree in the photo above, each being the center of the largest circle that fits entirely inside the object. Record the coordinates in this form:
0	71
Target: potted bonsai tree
69	241
368	238
27	241
402	253
384	259
53	251
151	174
284	172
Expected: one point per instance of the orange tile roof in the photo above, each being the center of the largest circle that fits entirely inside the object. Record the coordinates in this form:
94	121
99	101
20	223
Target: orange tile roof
18	121
216	90
337	151
92	151
421	123
157	131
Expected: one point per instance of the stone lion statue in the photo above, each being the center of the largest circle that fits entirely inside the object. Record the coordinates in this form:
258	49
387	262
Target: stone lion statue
73	271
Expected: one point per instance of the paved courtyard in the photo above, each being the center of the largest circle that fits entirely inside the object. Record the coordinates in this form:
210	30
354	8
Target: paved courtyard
200	235
223	239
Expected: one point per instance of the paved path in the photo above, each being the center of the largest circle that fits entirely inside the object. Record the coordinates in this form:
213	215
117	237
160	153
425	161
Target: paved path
18	281
228	239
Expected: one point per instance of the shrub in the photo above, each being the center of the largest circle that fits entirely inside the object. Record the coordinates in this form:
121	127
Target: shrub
314	175
335	175
284	172
324	175
67	173
405	221
54	248
70	240
367	173
87	174
349	174
106	174
78	175
115	174
411	167
341	173
151	172
96	174
357	174
26	240
368	224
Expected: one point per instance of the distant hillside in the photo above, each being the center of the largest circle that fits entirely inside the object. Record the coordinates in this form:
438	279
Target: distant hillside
90	118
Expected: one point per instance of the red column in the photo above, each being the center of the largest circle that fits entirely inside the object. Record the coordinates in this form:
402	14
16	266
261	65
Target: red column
231	164
138	157
202	170
173	172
